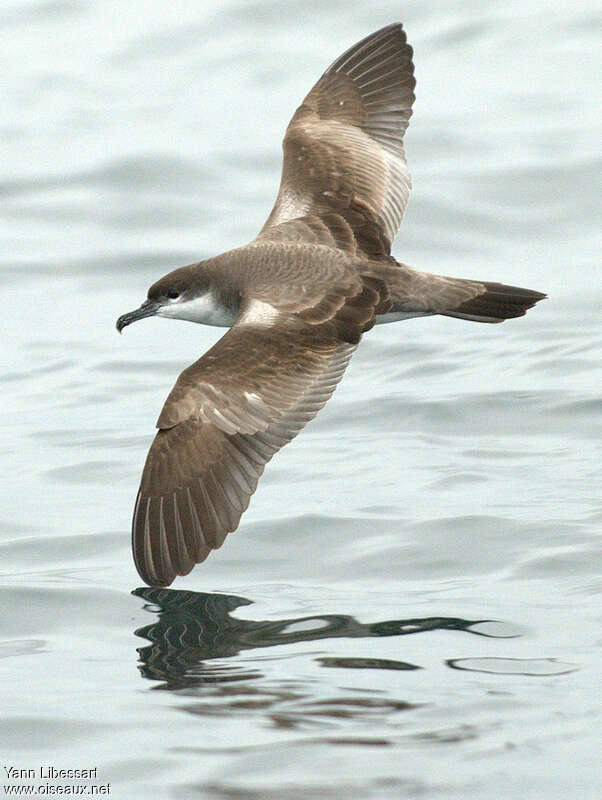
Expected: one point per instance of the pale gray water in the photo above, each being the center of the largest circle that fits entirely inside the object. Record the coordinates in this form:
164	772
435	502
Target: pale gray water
409	607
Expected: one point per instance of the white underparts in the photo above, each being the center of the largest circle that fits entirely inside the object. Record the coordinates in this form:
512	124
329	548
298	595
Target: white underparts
397	316
206	311
259	313
202	309
291	205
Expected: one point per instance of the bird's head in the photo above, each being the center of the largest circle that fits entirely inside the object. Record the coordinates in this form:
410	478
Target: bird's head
186	293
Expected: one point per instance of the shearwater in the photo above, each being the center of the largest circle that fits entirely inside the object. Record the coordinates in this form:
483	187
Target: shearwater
296	300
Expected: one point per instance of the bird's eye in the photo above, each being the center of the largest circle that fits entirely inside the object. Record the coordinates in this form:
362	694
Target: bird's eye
173	294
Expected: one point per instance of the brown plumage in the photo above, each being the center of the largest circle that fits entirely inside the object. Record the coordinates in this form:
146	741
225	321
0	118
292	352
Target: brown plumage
297	300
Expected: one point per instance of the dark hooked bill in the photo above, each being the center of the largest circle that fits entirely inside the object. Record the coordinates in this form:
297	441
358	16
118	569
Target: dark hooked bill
147	309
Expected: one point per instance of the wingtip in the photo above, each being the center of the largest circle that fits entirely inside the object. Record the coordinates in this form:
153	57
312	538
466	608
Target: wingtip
142	549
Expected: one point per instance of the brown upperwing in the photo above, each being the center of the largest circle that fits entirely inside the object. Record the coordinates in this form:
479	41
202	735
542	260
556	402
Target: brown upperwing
345	182
344	175
229	413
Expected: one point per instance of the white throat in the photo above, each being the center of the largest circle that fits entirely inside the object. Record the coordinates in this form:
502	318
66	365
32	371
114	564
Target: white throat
203	309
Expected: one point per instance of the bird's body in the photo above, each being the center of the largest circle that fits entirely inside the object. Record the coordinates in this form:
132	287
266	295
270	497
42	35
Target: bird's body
297	300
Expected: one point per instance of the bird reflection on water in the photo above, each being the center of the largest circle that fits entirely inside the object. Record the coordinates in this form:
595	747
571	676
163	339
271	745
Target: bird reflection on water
193	628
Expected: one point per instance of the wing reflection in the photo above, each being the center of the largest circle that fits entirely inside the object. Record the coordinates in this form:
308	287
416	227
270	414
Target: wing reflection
193	628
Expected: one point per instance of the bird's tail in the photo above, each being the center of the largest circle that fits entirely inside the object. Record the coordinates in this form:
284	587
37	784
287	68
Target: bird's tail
415	293
497	303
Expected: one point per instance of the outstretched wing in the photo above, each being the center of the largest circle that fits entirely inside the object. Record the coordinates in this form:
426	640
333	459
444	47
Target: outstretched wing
344	166
223	421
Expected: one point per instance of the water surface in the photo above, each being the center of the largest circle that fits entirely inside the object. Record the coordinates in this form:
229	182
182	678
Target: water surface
409	606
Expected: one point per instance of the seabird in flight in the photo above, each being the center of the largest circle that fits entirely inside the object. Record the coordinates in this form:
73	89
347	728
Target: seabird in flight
296	301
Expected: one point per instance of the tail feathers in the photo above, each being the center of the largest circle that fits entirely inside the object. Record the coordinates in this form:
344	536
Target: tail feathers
497	303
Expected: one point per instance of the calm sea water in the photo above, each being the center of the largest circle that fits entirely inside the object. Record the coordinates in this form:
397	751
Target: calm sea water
409	607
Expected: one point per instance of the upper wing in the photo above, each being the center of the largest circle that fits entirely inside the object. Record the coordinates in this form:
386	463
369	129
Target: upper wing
223	421
344	161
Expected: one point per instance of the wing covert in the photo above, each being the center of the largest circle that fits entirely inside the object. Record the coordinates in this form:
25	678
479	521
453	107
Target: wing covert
223	421
343	150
